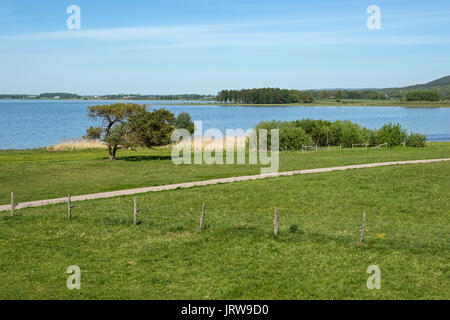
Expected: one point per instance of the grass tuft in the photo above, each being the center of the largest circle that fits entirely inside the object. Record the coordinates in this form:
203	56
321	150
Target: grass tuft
80	144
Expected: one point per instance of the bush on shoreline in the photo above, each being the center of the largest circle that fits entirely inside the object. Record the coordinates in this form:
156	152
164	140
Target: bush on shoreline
391	133
416	140
298	133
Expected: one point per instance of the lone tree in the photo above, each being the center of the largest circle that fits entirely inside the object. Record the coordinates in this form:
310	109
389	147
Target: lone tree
129	125
114	118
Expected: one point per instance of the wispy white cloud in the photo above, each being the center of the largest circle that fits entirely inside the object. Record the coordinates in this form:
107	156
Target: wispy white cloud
291	40
115	33
244	34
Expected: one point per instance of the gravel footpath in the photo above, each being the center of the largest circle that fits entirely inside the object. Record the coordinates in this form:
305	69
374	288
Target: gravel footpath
111	194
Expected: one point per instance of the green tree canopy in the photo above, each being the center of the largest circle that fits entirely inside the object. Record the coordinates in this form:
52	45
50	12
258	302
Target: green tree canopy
423	95
129	125
114	123
184	121
151	129
265	96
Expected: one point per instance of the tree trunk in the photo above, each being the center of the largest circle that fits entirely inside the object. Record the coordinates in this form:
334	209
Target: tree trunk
112	152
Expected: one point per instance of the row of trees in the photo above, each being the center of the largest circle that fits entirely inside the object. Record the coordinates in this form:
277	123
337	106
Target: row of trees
423	95
280	96
409	95
159	97
130	125
265	96
350	94
295	134
61	95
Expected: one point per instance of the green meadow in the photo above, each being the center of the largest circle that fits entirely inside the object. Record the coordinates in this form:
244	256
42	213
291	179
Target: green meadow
237	256
41	174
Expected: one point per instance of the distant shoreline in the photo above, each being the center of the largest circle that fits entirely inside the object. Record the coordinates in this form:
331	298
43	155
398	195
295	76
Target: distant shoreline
359	103
319	103
322	104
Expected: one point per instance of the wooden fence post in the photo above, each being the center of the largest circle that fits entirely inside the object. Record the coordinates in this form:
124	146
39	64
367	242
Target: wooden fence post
275	223
202	217
13	205
69	207
361	230
135	211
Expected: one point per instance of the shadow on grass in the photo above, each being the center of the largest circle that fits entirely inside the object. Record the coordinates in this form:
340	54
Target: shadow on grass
144	158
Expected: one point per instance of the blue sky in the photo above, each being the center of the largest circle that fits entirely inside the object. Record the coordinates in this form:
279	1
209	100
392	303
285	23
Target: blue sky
202	46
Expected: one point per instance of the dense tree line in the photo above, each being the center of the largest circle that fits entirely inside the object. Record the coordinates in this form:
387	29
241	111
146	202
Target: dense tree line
61	95
350	94
285	96
265	96
280	96
13	96
422	95
158	97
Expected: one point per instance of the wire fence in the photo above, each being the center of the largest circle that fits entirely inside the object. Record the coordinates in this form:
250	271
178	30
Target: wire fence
340	147
301	222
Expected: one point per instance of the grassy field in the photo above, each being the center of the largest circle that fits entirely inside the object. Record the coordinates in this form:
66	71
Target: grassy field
237	257
41	174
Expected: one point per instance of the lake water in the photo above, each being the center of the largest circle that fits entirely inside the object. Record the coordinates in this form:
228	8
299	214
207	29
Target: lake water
31	124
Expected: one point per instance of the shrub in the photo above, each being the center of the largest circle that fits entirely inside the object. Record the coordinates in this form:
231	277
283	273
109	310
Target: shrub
293	138
416	140
319	130
268	125
184	121
350	133
294	134
369	136
393	134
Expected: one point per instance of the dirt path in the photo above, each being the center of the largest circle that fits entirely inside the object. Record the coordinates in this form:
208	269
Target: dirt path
111	194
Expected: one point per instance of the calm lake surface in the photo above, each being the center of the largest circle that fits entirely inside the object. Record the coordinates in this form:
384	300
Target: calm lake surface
28	124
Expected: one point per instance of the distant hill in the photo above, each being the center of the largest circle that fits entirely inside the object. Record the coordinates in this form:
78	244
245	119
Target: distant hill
441	82
441	85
